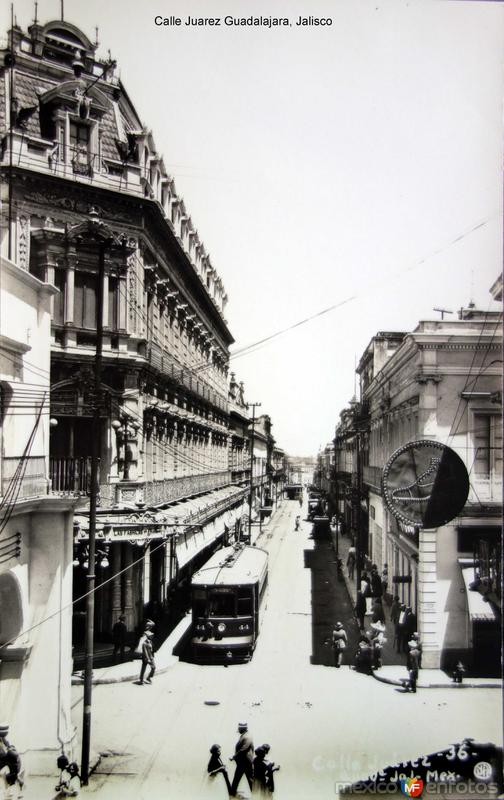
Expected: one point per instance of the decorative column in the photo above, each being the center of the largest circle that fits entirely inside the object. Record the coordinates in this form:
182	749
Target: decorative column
115	561
70	287
147	574
429	623
105	315
122	302
128	586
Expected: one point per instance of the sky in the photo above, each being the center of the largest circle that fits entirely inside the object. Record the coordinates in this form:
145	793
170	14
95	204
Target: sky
356	165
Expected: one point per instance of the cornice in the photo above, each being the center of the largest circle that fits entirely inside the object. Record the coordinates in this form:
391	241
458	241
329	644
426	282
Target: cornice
27	278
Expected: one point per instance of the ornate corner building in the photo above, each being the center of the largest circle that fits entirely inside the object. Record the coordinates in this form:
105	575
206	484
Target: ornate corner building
82	181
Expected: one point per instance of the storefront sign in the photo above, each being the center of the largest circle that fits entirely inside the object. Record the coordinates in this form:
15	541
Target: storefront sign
130	533
425	484
136	533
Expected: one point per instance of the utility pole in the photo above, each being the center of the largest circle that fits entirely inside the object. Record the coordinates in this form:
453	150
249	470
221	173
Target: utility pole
359	513
93	231
93	501
336	497
254	406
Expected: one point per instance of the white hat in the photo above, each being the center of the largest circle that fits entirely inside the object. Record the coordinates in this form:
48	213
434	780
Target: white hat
378	626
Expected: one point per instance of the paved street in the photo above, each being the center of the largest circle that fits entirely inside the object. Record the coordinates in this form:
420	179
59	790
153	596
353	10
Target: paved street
324	725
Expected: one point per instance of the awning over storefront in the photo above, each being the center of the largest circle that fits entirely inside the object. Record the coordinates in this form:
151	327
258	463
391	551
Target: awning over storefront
479	609
144	524
190	544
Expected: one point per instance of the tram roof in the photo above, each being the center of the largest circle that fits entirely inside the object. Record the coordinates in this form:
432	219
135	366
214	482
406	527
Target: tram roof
232	565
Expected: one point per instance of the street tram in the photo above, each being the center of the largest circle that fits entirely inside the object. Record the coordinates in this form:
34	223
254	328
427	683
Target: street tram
227	593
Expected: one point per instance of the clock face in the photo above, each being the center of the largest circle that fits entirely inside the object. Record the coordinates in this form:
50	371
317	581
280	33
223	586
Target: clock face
425	483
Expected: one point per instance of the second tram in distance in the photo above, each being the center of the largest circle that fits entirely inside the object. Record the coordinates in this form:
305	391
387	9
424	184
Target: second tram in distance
227	593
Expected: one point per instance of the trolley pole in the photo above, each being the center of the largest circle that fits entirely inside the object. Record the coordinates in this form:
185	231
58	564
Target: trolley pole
251	494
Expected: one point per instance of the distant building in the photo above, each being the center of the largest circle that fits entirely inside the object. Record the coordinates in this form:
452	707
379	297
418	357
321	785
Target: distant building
442	382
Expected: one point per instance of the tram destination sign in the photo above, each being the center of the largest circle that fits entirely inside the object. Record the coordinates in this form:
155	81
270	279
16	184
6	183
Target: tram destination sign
425	484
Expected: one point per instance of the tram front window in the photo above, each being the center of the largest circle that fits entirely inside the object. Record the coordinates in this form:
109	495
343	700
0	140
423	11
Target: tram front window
245	603
222	604
199	602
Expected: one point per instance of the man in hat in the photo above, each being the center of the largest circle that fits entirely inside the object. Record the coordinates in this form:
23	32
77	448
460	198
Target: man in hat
377	641
119	632
339	643
147	657
414	643
243	757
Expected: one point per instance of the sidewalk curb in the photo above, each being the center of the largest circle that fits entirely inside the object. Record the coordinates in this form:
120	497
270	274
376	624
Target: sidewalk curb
438	685
167	659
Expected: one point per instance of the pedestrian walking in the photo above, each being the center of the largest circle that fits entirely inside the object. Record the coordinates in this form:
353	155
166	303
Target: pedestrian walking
339	643
411	622
119	633
377	643
363	656
384	580
243	757
365	585
264	770
413	669
395	610
375	582
414	643
147	658
402	634
351	556
216	765
360	609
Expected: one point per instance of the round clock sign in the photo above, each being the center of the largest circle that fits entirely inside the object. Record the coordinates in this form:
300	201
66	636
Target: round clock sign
425	483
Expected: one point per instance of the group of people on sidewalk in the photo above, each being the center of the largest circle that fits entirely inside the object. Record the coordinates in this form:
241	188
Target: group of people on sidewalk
370	600
254	764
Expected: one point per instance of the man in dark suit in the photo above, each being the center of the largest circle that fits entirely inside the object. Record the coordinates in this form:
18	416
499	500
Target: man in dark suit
243	757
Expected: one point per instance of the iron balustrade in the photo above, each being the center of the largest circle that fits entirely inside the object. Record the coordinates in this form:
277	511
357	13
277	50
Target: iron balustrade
70	475
168	365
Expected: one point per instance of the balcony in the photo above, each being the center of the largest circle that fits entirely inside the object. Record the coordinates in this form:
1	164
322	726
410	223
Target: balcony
23	479
371	476
165	363
485	489
70	476
157	493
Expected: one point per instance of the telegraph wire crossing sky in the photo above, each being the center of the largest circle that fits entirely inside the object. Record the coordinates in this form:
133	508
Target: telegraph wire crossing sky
359	162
